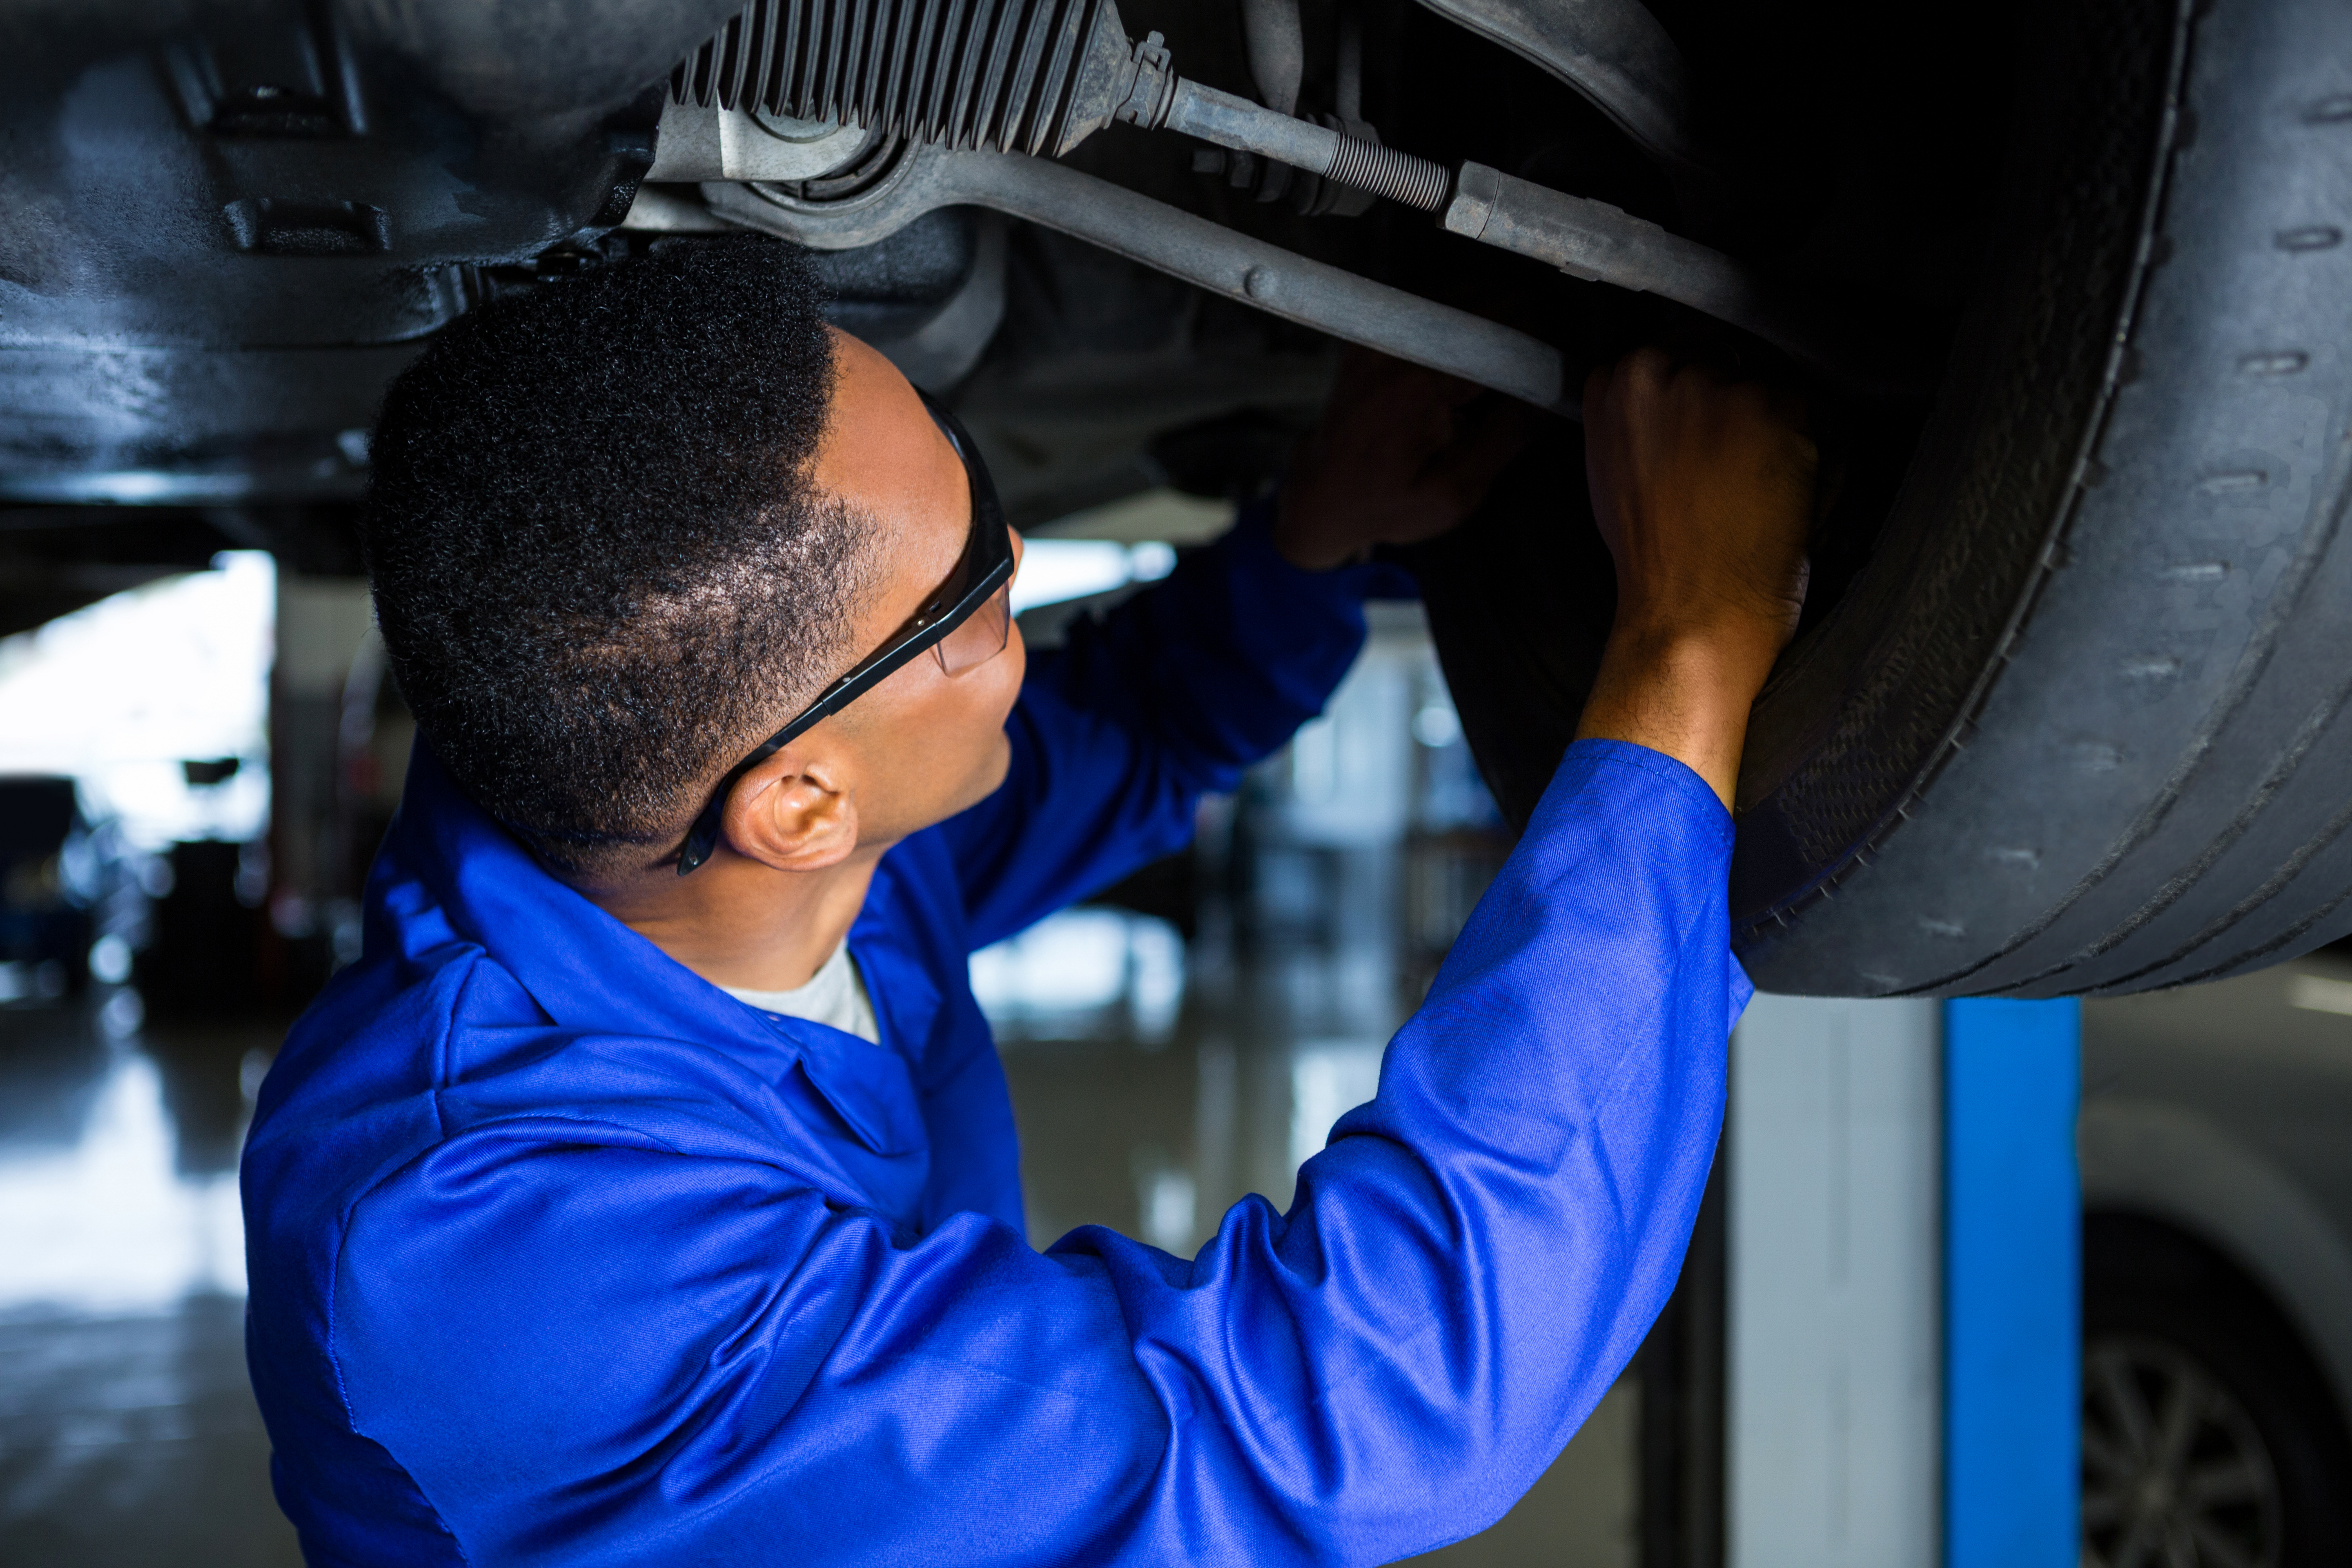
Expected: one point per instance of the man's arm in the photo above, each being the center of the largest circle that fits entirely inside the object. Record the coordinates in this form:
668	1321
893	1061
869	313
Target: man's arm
1182	688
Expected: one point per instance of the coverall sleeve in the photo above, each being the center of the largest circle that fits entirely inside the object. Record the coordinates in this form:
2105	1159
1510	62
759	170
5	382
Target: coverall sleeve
587	1348
1171	695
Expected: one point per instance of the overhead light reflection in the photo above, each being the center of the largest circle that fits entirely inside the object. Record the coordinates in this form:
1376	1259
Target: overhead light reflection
125	694
1072	973
1054	570
108	1225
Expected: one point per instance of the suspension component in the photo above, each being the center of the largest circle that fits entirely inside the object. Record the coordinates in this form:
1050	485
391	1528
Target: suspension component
1040	75
919	178
1236	123
1023	76
1614	53
1019	76
1277	51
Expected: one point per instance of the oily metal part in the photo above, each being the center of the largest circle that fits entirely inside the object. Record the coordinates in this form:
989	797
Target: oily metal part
706	142
1207	255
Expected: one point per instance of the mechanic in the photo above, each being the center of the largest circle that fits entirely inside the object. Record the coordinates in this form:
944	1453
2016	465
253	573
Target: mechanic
647	1192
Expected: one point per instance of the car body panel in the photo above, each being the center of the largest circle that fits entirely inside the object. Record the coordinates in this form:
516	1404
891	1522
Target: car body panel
2222	1109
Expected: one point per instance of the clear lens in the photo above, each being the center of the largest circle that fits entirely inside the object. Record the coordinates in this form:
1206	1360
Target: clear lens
981	638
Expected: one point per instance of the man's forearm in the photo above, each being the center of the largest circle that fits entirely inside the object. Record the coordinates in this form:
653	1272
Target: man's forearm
1687	696
1220	663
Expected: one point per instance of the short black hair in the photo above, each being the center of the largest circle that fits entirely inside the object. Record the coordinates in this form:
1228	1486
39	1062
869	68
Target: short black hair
600	566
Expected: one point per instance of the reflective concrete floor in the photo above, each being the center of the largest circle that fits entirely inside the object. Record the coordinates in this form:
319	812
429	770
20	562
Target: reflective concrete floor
128	1434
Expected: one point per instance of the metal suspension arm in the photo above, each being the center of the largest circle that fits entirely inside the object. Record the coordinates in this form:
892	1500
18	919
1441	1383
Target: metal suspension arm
1587	239
1217	259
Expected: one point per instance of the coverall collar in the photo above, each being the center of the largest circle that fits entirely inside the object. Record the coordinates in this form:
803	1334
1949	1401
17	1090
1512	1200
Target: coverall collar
592	974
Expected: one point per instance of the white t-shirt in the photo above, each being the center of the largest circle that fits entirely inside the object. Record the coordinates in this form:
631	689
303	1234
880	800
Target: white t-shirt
835	994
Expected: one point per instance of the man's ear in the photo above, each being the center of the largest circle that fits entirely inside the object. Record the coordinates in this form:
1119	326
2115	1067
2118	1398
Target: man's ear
794	812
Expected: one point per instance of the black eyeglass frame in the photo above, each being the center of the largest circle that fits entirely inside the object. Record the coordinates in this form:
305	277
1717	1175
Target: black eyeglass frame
986	565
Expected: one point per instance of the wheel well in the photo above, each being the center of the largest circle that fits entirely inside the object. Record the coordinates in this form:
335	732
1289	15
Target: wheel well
2134	1262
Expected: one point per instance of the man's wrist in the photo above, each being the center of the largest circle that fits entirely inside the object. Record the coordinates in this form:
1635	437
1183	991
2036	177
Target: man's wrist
1684	693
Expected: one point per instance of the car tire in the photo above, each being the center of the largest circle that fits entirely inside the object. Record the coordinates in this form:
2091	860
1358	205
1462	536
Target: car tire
2078	723
2209	1436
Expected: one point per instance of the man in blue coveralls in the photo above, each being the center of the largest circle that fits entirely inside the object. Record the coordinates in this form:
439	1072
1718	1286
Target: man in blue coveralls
647	1193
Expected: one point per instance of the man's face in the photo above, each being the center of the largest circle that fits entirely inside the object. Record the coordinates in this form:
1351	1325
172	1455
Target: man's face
924	744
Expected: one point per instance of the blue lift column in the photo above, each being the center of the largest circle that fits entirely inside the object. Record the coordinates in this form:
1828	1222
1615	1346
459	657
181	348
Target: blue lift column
2012	1284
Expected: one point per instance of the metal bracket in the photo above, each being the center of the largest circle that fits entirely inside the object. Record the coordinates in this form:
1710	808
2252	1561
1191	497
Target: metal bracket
709	142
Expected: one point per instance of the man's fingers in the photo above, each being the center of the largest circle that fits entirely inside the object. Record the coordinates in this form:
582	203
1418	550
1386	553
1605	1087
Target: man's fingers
1402	455
1597	383
1789	407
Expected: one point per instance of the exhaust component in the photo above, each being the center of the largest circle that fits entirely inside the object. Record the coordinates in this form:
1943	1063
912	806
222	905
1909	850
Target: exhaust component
1209	255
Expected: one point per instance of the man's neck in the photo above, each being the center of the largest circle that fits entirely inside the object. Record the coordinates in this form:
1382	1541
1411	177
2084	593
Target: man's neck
737	923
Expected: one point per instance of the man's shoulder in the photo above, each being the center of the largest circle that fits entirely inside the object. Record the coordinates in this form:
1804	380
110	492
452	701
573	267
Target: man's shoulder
405	1056
353	1090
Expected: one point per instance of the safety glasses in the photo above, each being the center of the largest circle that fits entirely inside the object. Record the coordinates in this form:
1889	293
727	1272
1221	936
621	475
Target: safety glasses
967	623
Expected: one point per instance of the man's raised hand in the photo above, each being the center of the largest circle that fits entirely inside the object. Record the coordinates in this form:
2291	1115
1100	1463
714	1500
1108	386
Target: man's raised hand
1402	455
1704	489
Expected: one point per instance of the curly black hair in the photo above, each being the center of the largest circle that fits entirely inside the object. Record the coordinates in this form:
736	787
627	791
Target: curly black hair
601	567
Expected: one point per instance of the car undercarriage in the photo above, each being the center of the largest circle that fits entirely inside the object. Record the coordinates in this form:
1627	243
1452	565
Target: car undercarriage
1128	243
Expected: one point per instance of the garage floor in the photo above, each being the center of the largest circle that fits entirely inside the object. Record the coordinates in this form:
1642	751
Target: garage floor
128	1434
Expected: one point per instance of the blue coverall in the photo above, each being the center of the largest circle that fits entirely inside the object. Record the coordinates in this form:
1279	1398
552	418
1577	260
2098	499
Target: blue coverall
559	1255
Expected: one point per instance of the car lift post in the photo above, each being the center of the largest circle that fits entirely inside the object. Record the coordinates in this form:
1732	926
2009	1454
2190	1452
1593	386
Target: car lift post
2012	1283
1902	1314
